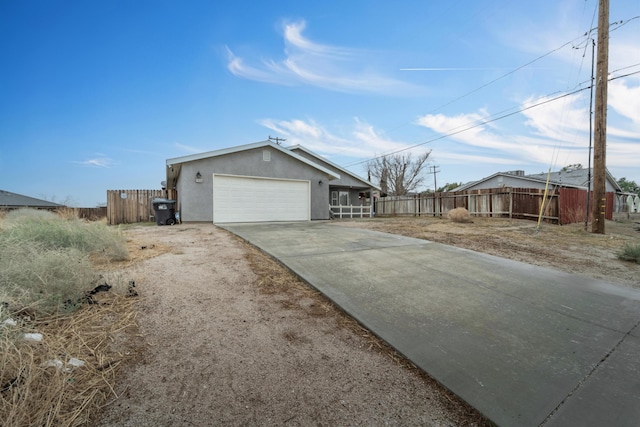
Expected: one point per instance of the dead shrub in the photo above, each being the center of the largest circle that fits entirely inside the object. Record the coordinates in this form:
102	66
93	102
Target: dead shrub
574	215
460	215
68	376
67	213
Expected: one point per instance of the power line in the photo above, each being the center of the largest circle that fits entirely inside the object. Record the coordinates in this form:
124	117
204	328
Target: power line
586	35
489	120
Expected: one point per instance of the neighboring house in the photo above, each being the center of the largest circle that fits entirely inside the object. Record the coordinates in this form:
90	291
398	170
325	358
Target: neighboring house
577	178
257	182
10	200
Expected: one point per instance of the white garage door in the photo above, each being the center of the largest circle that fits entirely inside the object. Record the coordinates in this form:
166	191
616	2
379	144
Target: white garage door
251	199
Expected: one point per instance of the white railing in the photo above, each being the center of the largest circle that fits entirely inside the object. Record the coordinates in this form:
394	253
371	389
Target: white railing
351	211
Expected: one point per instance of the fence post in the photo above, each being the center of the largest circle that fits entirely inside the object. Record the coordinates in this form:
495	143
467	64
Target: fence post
510	203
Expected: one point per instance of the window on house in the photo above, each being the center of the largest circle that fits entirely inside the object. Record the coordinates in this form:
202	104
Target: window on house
334	198
266	155
344	198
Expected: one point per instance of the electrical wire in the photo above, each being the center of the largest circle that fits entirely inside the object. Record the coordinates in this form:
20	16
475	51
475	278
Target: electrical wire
490	120
586	35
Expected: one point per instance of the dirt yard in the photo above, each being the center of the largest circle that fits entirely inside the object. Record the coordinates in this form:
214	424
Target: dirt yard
229	337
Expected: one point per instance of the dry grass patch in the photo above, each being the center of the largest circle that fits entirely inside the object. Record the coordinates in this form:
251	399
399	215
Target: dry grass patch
630	253
51	266
40	386
138	251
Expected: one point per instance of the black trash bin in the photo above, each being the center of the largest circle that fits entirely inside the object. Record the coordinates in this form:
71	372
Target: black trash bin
165	211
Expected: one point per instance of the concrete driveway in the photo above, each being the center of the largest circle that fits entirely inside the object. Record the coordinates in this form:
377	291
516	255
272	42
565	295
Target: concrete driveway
524	345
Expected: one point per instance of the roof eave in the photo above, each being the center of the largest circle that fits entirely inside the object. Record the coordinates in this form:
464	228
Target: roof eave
340	168
176	161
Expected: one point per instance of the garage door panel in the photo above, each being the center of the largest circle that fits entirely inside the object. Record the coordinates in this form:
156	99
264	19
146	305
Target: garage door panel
252	199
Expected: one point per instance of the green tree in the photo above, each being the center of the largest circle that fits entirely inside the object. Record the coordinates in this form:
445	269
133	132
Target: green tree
448	187
628	186
573	167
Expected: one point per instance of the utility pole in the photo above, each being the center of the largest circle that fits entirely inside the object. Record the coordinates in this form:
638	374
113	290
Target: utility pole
593	59
434	170
600	132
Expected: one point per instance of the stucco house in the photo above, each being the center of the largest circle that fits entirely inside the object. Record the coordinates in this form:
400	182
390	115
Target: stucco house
260	182
576	178
572	178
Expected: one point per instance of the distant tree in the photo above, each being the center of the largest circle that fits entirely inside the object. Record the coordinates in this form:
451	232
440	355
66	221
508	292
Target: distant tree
67	201
628	186
449	187
573	167
398	174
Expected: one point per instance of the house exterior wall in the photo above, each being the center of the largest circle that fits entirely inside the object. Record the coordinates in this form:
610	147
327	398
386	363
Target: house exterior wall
346	182
195	200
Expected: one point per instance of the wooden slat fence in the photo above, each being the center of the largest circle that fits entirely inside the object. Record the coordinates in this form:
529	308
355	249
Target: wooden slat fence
90	214
131	206
561	206
574	205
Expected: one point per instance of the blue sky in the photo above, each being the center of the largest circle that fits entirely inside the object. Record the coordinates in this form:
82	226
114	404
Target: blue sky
96	95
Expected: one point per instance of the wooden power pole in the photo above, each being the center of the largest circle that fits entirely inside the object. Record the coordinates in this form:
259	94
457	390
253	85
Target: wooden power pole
600	114
434	170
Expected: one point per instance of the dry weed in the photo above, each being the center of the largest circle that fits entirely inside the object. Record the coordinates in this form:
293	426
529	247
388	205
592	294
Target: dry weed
67	213
460	215
40	387
575	215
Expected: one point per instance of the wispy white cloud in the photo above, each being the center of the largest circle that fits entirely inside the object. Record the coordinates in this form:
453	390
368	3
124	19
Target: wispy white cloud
448	157
329	67
97	161
359	140
625	100
188	148
559	120
556	133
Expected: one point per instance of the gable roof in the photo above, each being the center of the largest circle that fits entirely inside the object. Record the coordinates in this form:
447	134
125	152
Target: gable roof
13	200
173	165
506	174
577	178
341	169
574	178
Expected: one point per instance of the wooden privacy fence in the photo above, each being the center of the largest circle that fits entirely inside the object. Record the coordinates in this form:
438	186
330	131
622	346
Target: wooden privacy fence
563	205
130	206
91	214
573	205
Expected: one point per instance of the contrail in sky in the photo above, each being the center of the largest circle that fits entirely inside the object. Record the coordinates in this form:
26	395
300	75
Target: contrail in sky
466	68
